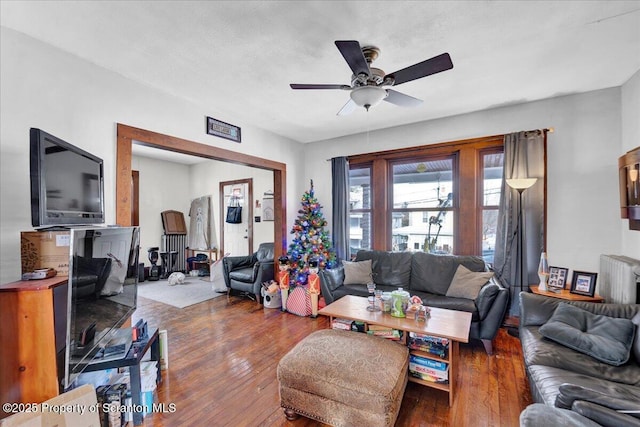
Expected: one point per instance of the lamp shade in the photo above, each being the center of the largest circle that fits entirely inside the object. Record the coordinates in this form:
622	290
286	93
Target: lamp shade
521	183
368	96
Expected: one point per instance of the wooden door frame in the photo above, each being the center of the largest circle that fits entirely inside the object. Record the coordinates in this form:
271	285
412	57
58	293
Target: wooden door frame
135	197
128	135
222	184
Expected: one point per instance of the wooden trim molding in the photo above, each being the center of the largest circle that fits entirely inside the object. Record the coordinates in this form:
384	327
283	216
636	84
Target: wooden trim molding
128	135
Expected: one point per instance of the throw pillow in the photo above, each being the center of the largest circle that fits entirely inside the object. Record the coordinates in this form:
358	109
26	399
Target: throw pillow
607	339
467	284
357	273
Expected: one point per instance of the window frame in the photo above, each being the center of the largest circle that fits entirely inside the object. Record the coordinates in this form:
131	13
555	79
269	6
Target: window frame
467	227
363	211
454	202
480	201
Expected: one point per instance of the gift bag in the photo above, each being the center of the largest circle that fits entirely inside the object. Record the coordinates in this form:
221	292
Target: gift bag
299	301
234	212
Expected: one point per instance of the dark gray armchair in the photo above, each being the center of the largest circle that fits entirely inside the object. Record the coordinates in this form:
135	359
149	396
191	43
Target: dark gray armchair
246	273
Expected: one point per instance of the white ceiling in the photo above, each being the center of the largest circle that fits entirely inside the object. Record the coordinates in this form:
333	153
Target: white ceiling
236	59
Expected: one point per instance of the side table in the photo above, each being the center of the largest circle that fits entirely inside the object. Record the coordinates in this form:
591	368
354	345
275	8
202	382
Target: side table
566	295
132	361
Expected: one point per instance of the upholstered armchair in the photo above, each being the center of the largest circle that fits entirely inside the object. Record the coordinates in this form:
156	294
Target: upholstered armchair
246	273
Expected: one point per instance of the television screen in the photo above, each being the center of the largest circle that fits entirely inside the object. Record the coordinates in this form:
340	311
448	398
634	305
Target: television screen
103	278
67	185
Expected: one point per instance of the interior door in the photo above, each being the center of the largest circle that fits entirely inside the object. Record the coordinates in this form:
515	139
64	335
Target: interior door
237	239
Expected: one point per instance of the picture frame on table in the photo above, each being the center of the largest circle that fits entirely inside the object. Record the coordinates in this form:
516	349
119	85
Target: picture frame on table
558	277
583	283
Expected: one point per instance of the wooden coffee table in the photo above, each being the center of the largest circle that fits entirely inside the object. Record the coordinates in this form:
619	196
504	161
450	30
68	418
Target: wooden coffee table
443	323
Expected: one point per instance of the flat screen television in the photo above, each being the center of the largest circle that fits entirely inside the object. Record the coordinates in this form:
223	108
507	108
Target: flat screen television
67	183
103	285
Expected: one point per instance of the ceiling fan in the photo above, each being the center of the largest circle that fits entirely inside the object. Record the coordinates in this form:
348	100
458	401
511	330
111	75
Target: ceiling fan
369	86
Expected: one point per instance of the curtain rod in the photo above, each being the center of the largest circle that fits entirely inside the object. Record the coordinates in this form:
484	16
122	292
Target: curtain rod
545	131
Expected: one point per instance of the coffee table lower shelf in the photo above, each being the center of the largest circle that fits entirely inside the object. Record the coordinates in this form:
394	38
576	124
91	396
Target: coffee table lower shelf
449	324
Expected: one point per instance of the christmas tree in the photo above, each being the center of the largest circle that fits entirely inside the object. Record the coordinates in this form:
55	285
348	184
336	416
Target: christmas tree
310	241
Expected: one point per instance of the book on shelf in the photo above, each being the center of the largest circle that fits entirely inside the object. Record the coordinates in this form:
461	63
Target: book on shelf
392	334
422	338
343	324
429	344
427	377
430	367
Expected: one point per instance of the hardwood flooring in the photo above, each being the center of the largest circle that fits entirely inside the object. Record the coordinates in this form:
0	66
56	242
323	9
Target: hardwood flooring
222	371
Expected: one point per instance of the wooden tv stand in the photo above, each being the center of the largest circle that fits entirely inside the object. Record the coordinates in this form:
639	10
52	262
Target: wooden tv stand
33	315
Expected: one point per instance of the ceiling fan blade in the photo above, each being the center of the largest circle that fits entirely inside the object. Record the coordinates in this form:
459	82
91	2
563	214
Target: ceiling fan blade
347	108
312	86
352	53
434	65
397	98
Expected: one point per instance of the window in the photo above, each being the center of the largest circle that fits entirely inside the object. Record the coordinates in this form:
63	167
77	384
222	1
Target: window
492	165
423	189
440	198
359	209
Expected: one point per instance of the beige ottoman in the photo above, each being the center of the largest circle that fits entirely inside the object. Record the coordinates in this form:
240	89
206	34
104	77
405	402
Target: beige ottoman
344	378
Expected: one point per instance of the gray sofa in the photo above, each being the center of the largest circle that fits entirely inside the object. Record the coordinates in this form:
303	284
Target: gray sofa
427	276
569	386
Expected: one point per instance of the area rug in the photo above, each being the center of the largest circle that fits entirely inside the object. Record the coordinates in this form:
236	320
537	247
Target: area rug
193	291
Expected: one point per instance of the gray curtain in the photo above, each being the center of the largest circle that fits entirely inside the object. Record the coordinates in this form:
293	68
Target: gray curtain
523	158
340	212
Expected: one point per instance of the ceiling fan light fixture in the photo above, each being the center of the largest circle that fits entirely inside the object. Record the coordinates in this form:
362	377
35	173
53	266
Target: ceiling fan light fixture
368	96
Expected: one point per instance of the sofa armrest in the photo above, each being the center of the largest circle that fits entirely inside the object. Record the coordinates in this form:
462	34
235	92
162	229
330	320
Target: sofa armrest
535	310
487	296
263	272
492	310
330	280
604	416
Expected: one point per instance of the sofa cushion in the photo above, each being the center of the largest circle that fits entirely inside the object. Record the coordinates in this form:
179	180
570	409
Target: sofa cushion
467	283
604	338
540	351
546	381
389	268
243	274
449	303
540	415
433	273
357	273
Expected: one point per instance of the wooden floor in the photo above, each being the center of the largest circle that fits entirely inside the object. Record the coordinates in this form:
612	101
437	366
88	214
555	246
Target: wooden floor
222	371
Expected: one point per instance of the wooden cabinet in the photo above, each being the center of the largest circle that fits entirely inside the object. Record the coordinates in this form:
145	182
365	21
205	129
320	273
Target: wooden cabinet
33	319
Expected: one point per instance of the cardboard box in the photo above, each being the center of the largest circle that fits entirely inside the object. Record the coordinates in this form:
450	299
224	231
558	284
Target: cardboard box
45	249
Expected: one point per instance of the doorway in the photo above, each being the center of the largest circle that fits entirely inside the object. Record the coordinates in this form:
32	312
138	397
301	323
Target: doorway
128	135
236	239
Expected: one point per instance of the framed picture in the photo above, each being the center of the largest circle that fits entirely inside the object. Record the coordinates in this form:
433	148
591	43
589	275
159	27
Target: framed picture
558	277
583	283
223	130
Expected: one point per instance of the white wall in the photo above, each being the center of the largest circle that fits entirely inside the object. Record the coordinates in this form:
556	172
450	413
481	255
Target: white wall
163	186
205	179
81	103
630	140
188	182
583	218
